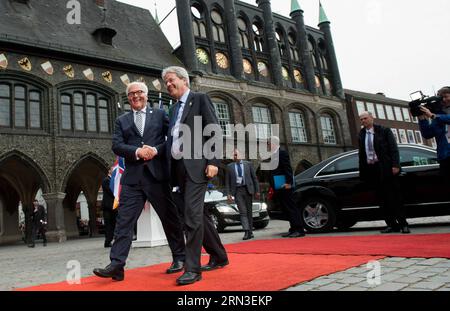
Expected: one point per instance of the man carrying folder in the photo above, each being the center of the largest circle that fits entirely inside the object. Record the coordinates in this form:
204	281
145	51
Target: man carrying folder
282	181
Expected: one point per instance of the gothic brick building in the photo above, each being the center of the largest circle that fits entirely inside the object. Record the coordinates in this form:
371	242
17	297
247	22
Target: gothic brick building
62	84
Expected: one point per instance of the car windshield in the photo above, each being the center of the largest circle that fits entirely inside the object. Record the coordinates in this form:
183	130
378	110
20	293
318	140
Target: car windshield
214	195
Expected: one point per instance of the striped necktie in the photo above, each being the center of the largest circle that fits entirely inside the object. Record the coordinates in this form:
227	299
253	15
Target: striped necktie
139	123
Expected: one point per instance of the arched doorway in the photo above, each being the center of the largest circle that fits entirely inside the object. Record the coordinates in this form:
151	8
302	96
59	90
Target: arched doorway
81	204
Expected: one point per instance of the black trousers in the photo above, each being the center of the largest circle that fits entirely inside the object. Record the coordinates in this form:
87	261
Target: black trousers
286	199
243	201
198	225
38	229
132	200
109	217
388	191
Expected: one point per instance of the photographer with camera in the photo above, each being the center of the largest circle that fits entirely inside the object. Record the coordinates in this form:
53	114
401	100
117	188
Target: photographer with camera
439	128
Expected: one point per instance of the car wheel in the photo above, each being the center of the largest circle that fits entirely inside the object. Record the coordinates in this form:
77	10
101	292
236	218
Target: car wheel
318	215
261	224
218	222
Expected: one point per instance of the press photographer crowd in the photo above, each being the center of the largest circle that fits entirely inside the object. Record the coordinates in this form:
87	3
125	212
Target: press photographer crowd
434	119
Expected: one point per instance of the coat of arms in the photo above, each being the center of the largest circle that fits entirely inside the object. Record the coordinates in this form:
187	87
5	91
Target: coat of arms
89	74
68	70
48	68
25	64
3	61
107	76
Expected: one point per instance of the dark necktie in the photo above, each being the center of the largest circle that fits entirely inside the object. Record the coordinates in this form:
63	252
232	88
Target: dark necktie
370	147
239	169
139	123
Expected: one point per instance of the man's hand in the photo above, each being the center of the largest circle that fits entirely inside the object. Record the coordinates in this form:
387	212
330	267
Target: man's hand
287	186
147	152
211	171
229	199
426	112
395	171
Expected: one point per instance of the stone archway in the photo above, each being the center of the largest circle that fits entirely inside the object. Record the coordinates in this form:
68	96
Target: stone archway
20	179
85	177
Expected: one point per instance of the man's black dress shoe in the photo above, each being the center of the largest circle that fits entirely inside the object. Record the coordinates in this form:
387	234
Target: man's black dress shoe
31	245
189	278
175	267
405	229
390	230
117	274
296	234
107	245
248	235
212	265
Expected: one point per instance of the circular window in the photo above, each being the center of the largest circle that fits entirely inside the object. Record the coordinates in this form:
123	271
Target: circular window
196	12
262	69
242	25
216	17
202	56
298	76
222	60
248	68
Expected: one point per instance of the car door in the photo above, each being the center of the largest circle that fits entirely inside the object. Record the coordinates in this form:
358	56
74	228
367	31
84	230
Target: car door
342	177
420	179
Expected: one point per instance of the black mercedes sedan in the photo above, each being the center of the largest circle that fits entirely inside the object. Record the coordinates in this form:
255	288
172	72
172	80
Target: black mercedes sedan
331	195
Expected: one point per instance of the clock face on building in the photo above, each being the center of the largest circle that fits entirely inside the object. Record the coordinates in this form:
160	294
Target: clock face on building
202	56
285	73
248	68
318	84
298	76
222	60
262	69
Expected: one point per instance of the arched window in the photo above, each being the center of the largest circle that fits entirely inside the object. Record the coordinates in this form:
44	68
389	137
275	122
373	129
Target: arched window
21	105
263	121
85	110
258	34
198	21
328	131
281	42
243	33
217	26
298	128
312	52
293	50
223	115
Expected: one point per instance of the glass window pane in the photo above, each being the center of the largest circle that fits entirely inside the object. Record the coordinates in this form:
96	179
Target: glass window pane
223	116
19	113
4	90
66	117
104	127
78	99
35	96
19	92
360	107
298	130
398	113
414	157
90	100
91	119
65	99
5	112
103	103
406	114
35	114
329	136
380	111
79	118
394	131
419	137
390	112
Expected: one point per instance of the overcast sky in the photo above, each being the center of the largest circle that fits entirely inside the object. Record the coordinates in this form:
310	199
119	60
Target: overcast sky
390	46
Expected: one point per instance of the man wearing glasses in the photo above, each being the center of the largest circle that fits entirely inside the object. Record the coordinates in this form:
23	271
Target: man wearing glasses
140	138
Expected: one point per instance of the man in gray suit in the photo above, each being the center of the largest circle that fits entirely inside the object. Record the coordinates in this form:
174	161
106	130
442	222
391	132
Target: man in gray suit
242	184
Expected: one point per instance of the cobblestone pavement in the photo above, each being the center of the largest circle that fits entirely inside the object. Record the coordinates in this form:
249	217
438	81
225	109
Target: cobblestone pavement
21	266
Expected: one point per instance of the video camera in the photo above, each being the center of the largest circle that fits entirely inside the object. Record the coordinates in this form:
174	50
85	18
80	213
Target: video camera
433	103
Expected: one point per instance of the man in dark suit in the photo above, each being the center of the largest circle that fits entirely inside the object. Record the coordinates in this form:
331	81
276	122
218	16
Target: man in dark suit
190	170
284	193
379	166
241	183
39	222
140	138
109	214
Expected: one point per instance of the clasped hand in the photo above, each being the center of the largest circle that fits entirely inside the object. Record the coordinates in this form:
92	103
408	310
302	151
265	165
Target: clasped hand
147	152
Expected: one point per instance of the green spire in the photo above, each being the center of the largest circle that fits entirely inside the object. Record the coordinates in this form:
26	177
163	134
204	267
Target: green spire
295	6
322	16
156	15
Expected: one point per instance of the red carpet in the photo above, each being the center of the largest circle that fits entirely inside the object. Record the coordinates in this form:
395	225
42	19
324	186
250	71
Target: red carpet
250	272
268	265
395	245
